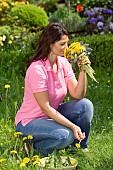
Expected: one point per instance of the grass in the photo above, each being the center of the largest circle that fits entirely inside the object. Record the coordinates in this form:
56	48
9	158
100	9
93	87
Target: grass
101	136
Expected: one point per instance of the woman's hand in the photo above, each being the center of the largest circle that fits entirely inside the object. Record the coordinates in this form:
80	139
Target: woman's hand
82	60
77	133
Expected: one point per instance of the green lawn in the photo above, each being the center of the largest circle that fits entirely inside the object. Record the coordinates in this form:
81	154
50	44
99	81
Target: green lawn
100	156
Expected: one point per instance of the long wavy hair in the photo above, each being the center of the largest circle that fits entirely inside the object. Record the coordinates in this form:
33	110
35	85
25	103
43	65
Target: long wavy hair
50	34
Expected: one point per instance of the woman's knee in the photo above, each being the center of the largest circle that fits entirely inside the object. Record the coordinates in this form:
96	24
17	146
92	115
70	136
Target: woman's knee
88	109
65	137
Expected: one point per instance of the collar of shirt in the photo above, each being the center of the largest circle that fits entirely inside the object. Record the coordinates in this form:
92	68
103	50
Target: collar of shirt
49	67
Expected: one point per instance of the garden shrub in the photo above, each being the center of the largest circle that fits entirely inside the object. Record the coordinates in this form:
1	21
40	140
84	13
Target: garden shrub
49	6
98	20
5	7
30	16
72	21
5	30
93	3
101	55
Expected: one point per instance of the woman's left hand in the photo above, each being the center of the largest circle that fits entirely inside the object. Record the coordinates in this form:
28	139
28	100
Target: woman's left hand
83	60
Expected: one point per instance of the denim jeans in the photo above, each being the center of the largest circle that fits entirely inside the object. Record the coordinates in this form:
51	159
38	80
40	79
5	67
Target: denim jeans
49	135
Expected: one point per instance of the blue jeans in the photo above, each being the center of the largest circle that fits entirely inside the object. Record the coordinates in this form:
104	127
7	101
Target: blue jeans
49	135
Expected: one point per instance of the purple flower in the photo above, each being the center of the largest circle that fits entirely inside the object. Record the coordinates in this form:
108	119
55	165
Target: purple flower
107	11
93	21
97	10
100	17
100	24
87	13
102	32
111	25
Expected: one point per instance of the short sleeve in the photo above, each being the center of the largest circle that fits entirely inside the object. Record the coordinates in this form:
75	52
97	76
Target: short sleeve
69	74
37	78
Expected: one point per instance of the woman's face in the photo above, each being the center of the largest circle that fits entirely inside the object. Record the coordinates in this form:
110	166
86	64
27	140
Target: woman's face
58	47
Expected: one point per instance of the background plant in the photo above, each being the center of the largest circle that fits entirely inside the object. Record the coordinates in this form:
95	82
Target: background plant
99	21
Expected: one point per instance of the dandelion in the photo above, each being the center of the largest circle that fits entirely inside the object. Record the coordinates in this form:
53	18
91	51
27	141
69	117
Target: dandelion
77	50
22	165
30	137
24	138
26	160
35	157
13	152
36	162
77	145
2	160
73	162
16	134
7	86
108	81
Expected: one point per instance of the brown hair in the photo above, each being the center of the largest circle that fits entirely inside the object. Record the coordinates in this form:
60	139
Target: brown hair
51	34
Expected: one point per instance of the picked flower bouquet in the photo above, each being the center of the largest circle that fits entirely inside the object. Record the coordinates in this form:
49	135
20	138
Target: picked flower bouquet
78	50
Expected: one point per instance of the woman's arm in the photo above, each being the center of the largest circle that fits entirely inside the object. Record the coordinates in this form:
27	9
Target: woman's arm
42	99
77	89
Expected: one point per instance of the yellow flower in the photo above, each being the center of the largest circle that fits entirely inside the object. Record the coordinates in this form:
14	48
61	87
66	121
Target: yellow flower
108	81
9	42
30	137
2	19
26	160
24	138
73	162
36	162
16	134
0	9
13	152
22	165
7	86
35	157
77	145
2	160
4	38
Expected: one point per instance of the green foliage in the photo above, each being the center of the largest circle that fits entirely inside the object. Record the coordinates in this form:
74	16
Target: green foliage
5	30
93	3
101	134
73	21
29	15
49	5
102	49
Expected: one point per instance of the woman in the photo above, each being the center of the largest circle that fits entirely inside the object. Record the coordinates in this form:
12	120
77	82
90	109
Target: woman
52	123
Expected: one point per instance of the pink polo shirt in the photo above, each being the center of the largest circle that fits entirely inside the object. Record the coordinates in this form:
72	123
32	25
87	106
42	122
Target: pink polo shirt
41	77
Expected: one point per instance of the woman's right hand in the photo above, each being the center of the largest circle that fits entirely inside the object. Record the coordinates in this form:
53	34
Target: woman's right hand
78	134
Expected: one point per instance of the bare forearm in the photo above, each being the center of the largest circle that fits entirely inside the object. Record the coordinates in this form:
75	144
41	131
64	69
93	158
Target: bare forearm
56	116
82	84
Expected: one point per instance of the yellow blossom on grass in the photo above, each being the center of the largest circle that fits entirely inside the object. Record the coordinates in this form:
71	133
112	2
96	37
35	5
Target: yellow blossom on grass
73	162
13	152
30	137
108	81
22	165
16	134
0	9
9	42
77	145
35	157
24	138
7	86
2	160
36	162
26	160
